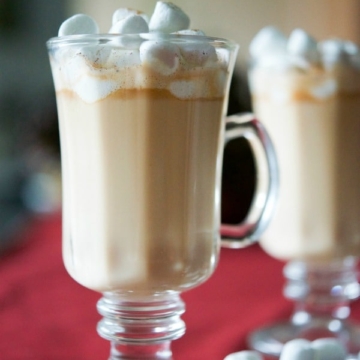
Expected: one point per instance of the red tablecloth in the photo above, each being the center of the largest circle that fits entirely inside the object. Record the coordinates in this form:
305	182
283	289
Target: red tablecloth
45	315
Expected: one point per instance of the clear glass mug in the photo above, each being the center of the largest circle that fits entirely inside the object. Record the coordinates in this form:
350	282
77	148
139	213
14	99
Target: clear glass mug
312	116
142	142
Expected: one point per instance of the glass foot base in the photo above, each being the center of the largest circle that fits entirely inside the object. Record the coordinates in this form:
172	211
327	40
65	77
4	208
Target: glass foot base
270	340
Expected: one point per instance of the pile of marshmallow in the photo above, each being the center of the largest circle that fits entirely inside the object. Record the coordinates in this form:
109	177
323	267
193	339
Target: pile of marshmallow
301	349
163	56
270	48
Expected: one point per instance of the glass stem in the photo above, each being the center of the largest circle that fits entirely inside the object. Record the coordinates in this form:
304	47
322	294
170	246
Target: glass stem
141	328
322	292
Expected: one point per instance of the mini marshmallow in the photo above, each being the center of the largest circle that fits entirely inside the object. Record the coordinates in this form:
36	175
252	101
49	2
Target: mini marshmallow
244	355
90	89
297	349
132	24
302	46
184	89
267	41
198	54
77	25
333	52
168	18
350	48
162	56
123	13
353	53
328	349
277	62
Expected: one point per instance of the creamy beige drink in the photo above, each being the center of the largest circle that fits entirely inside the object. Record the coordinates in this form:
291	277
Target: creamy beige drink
308	97
140	212
140	158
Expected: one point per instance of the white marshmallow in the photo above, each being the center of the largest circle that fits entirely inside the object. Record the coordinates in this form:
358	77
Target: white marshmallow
77	25
328	349
122	13
276	61
190	32
350	48
161	56
297	349
244	355
168	18
198	54
90	89
268	40
132	24
333	52
353	53
301	46
183	89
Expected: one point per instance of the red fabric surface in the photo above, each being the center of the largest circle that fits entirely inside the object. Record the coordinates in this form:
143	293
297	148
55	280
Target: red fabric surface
45	315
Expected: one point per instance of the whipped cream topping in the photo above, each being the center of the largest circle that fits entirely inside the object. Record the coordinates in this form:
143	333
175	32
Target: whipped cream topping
159	52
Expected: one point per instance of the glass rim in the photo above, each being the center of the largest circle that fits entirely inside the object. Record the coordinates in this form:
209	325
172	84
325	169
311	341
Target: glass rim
85	39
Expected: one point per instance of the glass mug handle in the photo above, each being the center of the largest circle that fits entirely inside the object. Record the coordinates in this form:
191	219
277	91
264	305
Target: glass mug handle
267	181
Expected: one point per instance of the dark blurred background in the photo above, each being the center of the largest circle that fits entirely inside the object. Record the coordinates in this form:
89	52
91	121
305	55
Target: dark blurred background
29	155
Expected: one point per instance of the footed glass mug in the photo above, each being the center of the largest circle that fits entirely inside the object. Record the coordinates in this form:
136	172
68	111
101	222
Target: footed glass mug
312	116
142	142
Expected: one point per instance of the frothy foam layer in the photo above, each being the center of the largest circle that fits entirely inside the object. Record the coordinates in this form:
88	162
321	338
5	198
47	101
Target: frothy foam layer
270	48
95	71
299	67
143	59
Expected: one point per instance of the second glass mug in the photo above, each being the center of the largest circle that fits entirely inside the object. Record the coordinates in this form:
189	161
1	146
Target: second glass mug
316	227
142	150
